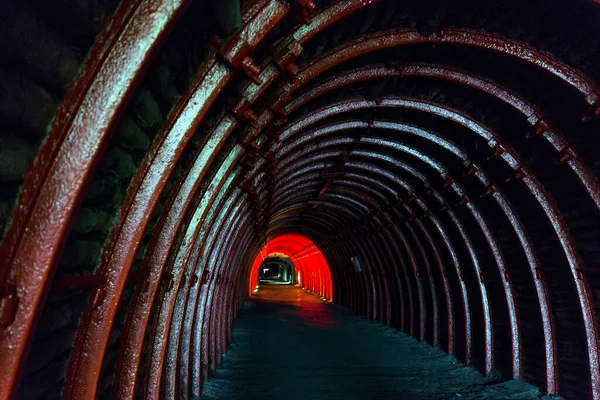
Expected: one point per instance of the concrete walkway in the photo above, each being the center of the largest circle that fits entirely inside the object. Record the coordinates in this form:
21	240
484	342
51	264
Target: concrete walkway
289	344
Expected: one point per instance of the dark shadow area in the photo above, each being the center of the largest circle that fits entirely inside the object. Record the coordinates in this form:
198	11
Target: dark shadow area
276	270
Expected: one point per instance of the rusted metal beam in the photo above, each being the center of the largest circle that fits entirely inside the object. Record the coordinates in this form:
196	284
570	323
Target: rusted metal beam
533	115
587	87
141	198
144	192
183	265
138	315
54	186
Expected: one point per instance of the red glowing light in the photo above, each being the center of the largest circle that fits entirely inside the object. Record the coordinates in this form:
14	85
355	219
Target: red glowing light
311	266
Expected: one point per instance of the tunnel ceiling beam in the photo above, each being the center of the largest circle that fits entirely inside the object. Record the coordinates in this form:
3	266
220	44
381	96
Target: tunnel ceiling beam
421	211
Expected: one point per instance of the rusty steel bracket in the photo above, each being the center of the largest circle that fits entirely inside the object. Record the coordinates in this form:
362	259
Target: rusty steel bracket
471	171
279	101
491	189
540	127
97	297
464	200
286	54
567	154
303	10
250	93
205	277
248	142
497	151
237	54
592	113
519	174
243	111
8	304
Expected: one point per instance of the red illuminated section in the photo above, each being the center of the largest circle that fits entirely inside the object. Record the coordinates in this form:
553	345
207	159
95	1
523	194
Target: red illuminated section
312	271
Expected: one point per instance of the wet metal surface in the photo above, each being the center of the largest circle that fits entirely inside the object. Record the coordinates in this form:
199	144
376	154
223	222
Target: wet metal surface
290	344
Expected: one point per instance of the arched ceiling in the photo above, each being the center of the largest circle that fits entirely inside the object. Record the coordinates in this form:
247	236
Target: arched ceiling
452	148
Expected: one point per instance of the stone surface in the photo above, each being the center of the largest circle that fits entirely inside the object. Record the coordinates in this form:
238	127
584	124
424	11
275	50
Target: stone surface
290	344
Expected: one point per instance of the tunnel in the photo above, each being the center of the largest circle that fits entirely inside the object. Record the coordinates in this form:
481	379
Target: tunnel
302	258
430	168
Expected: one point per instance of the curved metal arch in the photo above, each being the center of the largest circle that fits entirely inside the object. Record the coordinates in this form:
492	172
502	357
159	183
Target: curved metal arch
550	343
449	247
188	336
240	219
487	233
180	330
325	222
155	259
358	201
229	307
464	291
343	194
329	16
412	190
534	116
348	295
173	294
534	188
417	69
365	302
141	198
199	336
491	241
382	307
181	356
399	236
579	81
220	316
183	260
474	259
309	182
351	213
357	6
407	247
54	185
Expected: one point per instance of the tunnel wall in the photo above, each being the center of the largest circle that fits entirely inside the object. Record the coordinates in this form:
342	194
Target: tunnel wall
146	161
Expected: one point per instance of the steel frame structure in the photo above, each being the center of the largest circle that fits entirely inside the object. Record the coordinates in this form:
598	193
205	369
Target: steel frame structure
411	219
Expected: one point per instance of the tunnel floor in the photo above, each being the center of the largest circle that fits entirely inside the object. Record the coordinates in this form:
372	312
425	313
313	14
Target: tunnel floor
290	344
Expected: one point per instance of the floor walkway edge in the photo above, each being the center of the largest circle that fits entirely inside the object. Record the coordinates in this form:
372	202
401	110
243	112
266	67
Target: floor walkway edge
291	345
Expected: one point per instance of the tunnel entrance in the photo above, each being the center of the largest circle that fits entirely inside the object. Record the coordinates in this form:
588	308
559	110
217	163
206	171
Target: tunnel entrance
291	259
277	270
